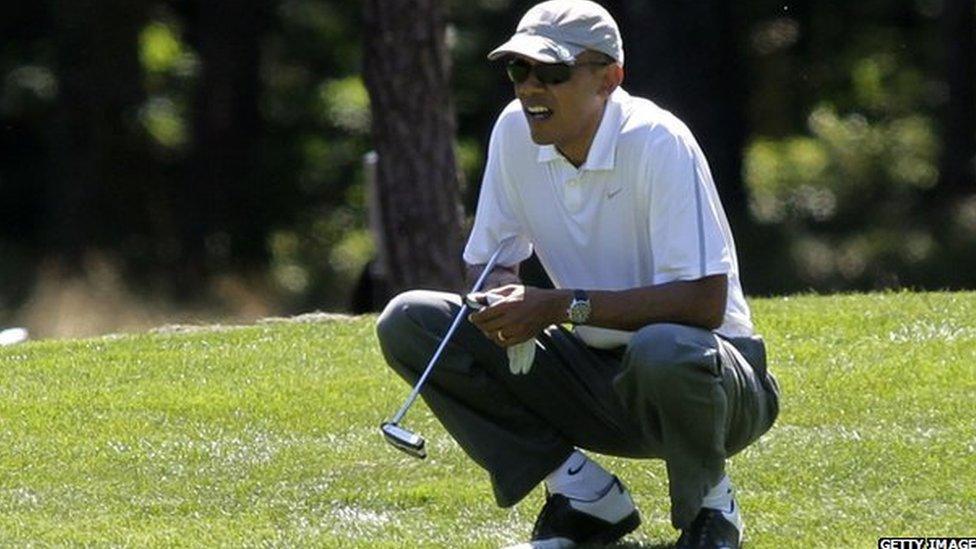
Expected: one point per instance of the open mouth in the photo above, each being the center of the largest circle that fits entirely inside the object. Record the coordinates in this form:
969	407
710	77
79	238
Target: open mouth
538	112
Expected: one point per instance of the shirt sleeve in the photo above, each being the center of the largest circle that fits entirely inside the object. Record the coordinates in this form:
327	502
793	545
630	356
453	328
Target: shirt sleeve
496	219
686	217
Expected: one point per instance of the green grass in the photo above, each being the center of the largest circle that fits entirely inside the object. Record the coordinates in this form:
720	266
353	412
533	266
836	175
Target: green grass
267	436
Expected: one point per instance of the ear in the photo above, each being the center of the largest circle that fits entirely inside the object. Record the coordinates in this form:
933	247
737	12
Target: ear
612	78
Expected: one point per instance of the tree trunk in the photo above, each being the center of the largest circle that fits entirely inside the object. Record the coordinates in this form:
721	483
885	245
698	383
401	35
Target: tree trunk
958	170
103	174
407	76
222	211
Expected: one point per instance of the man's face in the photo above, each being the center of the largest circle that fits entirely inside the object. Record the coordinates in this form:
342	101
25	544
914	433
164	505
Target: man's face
565	114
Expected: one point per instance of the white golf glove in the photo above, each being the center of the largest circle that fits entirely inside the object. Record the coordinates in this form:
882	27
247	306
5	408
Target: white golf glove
521	356
470	301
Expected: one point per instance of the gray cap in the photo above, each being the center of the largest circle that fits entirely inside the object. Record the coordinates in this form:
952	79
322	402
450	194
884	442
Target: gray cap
558	30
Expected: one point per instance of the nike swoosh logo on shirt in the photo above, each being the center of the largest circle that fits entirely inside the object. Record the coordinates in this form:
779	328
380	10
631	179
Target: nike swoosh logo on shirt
613	193
572	471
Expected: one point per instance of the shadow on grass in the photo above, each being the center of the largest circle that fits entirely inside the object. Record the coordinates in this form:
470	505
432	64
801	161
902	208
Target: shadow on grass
639	545
645	545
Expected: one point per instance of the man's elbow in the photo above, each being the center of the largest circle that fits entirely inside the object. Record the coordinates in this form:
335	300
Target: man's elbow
714	298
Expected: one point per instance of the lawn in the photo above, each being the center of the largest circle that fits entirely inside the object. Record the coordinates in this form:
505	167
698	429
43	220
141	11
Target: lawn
267	435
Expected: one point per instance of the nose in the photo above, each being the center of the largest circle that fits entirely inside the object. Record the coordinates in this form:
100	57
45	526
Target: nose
529	86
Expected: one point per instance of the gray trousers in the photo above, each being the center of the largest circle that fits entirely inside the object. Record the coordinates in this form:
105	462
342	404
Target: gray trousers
677	393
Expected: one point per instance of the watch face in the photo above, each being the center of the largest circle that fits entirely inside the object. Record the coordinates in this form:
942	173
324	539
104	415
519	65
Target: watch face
579	312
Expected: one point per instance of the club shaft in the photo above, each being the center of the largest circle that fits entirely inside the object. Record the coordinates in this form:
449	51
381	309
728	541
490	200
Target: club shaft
447	337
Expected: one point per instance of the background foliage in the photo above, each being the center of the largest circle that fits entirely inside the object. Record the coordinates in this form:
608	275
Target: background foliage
211	154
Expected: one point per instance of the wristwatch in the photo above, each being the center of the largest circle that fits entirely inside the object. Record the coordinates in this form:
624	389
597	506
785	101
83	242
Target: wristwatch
579	310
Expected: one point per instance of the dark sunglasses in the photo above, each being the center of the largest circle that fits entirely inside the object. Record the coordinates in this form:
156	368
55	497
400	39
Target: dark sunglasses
547	73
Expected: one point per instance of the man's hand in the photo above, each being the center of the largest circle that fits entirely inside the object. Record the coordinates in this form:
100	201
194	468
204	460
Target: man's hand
523	312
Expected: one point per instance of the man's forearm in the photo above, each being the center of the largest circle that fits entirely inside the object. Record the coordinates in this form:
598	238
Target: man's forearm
697	303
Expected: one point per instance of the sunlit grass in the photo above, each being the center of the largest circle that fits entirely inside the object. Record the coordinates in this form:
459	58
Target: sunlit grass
267	436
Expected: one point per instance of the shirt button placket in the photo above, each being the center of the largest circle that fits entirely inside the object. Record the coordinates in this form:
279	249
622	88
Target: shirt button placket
574	195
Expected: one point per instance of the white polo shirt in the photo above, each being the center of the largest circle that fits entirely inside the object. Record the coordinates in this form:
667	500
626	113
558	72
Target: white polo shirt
642	209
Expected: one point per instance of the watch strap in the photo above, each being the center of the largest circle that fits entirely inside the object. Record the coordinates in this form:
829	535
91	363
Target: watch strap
579	308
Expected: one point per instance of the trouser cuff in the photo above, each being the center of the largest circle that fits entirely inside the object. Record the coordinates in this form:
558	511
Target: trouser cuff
513	488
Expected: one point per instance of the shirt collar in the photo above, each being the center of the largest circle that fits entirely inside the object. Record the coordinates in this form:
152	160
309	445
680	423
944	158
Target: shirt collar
602	153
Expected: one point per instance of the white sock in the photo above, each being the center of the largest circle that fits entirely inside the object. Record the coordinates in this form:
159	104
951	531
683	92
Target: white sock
722	497
579	477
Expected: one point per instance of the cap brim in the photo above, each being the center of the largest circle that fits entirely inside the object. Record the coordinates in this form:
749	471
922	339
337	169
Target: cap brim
538	48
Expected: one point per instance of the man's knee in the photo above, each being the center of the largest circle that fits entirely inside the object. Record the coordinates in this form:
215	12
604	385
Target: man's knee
393	316
403	314
668	377
659	352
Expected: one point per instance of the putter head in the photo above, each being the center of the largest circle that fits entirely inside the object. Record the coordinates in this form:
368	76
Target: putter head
404	440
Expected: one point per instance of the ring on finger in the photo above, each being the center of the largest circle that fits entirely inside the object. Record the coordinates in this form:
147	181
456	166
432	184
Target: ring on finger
501	336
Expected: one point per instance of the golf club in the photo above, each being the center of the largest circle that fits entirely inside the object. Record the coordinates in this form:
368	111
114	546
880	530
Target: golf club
399	437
